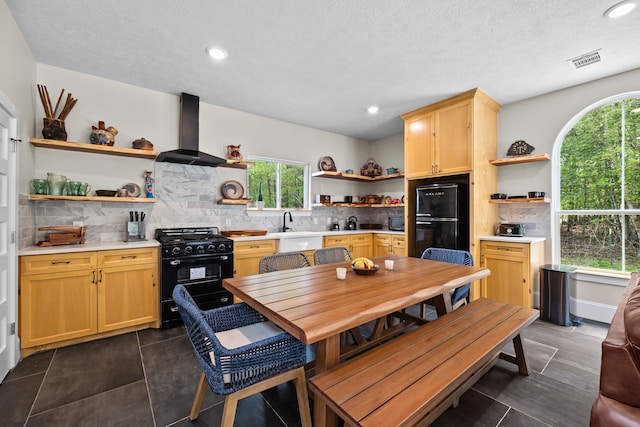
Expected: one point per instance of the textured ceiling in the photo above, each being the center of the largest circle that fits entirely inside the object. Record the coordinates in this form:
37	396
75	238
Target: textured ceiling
320	63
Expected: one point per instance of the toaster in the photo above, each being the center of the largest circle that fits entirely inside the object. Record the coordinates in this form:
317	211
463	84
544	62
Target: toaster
512	230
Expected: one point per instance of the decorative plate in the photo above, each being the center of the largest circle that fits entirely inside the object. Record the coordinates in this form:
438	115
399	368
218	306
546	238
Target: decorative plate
520	148
232	190
327	164
133	190
387	200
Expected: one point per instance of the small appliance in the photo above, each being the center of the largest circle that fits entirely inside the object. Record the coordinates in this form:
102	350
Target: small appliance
396	223
511	230
351	223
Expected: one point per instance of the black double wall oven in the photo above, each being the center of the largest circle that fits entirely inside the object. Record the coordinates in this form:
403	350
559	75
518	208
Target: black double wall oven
199	259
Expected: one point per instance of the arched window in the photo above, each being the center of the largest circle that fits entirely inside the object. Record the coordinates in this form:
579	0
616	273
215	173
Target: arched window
597	187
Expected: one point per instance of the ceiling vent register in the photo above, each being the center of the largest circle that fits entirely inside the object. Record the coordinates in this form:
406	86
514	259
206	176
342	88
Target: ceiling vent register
586	59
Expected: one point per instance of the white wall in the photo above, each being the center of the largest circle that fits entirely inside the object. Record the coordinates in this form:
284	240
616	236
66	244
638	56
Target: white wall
17	82
539	120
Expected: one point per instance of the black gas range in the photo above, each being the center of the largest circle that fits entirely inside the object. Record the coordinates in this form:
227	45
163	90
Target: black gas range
198	258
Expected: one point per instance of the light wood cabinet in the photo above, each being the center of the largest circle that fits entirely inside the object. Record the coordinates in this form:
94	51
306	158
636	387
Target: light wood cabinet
70	296
453	140
360	245
389	244
514	270
246	256
438	142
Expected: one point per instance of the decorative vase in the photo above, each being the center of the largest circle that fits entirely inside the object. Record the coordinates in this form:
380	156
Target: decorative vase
149	184
54	129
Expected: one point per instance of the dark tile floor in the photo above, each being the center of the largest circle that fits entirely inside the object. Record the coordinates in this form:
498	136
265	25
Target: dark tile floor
149	378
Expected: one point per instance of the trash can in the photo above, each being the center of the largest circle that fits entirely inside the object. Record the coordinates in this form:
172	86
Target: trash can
555	283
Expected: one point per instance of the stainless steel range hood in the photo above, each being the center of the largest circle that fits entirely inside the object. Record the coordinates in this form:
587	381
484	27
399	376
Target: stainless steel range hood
189	153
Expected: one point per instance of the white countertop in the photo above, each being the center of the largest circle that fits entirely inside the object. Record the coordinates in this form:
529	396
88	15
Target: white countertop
85	247
524	239
278	235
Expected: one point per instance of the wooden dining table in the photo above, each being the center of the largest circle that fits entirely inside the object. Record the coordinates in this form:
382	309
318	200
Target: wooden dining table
314	306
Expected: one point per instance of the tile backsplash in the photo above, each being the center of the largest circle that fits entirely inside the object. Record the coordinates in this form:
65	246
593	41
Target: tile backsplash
187	197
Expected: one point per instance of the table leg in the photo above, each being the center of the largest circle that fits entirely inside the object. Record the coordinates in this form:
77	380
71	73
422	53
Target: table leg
327	356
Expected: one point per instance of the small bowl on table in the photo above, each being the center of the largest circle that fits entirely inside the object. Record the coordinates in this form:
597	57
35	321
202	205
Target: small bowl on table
365	271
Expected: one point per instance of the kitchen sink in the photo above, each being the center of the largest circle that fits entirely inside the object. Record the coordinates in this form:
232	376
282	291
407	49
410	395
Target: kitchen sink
298	241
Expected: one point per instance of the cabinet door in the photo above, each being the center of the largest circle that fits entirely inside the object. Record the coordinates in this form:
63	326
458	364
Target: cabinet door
361	245
127	296
510	273
419	146
246	256
57	306
382	244
453	139
399	246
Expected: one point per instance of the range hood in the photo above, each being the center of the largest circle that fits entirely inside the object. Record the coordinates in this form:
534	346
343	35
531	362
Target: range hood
189	153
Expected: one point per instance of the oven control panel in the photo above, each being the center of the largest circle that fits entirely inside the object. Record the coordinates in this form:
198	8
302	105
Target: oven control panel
201	248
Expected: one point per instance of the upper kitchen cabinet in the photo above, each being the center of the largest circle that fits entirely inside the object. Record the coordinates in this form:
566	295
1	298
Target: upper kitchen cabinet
450	136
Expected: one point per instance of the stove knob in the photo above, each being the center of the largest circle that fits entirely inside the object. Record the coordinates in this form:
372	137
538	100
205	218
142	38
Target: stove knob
175	250
188	250
211	248
222	247
200	249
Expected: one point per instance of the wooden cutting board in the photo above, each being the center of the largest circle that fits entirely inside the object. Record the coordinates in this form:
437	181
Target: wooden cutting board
243	233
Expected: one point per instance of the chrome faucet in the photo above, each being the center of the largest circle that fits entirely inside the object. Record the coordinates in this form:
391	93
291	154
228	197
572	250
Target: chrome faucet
284	221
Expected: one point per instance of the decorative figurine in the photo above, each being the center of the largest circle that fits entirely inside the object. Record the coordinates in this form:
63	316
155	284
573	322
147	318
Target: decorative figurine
149	184
103	136
233	152
371	168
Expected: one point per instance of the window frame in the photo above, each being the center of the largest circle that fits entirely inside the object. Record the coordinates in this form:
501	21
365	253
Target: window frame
306	190
555	183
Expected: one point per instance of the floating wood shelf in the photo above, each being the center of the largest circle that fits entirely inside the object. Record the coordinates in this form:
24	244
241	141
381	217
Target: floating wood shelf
236	164
520	159
93	198
523	200
354	177
93	148
359	205
234	201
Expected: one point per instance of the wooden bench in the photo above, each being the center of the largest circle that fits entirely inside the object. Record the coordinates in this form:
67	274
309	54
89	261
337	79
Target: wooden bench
413	379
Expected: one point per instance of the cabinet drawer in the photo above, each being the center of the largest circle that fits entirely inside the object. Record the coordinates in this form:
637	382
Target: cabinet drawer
255	247
520	250
361	238
399	241
39	264
124	257
336	241
382	239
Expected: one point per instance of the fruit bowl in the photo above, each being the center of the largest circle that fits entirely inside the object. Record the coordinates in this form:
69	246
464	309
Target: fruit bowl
365	271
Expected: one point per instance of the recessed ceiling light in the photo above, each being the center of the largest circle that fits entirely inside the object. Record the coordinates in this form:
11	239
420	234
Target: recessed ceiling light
373	109
217	53
620	9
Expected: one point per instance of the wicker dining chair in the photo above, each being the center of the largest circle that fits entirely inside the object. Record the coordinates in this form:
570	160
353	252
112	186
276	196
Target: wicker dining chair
241	353
460	295
331	255
283	261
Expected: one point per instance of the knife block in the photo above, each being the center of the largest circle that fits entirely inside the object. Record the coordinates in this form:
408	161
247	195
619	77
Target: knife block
135	231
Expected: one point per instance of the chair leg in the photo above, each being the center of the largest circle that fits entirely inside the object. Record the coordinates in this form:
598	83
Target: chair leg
229	410
203	384
300	383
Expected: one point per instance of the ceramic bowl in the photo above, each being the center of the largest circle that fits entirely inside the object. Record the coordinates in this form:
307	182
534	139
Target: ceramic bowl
365	271
106	193
536	194
498	196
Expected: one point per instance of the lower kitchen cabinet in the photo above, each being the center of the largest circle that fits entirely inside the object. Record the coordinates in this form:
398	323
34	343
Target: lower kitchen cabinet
389	244
71	297
246	256
514	270
360	245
